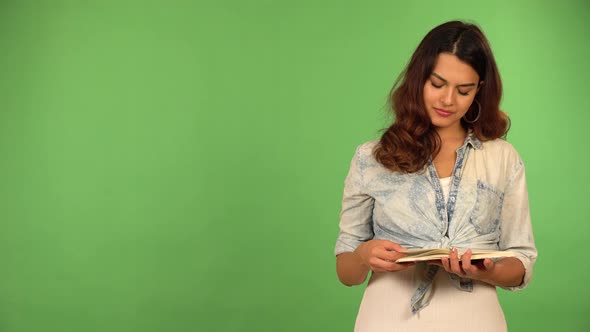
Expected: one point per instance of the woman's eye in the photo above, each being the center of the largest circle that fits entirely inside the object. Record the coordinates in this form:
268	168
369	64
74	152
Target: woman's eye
436	86
464	93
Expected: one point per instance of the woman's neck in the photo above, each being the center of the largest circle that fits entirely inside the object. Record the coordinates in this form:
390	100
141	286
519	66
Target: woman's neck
452	134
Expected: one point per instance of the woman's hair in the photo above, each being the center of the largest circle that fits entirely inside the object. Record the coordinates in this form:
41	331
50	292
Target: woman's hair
409	143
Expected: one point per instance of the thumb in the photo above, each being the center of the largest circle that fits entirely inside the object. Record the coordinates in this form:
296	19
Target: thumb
388	245
488	264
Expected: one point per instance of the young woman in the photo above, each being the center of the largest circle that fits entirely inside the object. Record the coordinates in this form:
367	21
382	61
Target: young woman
439	177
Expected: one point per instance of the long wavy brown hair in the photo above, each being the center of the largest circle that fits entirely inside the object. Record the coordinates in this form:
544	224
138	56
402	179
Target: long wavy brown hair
409	143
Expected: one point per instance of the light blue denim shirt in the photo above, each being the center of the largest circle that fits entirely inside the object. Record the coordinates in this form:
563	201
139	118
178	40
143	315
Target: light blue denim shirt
487	208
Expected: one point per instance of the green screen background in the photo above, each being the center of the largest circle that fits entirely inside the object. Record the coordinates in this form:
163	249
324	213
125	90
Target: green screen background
179	165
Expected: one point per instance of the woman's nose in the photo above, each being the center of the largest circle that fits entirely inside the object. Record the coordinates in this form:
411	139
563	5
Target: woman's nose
447	97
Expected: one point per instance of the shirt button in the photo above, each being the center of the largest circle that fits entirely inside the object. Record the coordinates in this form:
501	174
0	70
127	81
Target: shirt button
452	199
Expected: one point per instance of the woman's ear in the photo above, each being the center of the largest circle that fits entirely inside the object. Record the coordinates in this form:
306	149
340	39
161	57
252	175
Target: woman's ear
479	85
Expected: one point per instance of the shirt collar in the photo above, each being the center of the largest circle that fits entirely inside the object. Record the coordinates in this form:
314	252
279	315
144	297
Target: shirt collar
472	140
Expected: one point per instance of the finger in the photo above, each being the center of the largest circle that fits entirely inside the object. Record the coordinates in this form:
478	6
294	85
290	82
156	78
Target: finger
466	263
392	246
378	264
392	267
388	255
390	251
454	262
445	264
488	264
401	266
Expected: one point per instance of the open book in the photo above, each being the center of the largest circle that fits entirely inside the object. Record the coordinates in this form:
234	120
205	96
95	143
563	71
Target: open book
419	255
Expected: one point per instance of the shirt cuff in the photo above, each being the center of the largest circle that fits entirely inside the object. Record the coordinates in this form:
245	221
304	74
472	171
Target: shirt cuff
528	273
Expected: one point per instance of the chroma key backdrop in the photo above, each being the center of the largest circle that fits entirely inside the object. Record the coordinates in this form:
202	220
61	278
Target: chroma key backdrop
179	165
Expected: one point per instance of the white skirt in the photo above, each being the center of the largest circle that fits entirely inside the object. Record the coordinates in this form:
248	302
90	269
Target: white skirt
386	306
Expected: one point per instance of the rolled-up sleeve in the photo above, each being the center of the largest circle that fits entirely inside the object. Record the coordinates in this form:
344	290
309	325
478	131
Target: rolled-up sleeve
357	208
516	230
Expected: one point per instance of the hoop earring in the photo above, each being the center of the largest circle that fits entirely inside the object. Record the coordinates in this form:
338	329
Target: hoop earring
478	113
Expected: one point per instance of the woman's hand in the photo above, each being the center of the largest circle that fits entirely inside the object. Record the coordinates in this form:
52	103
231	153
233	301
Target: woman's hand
507	272
380	255
482	270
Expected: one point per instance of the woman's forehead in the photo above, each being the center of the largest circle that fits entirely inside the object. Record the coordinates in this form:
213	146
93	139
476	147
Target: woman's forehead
451	69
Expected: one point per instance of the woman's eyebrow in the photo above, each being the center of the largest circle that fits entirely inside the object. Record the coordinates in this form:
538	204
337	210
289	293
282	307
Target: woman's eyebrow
458	85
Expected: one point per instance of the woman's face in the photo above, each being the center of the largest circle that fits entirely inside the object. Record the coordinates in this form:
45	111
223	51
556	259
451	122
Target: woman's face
449	92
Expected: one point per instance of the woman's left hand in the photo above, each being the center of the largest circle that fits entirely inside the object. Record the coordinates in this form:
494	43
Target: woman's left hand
507	272
479	270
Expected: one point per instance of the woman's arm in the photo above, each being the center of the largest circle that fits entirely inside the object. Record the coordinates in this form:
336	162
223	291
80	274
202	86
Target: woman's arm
356	250
516	234
508	272
351	269
516	230
376	255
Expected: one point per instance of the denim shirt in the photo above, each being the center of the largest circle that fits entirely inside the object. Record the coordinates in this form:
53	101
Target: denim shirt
487	208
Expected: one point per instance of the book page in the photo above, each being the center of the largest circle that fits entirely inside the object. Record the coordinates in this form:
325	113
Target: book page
420	255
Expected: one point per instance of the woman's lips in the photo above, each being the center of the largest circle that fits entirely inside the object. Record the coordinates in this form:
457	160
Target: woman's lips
442	112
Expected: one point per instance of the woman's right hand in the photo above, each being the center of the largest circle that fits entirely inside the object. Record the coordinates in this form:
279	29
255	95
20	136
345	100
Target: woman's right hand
380	255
